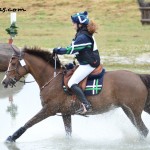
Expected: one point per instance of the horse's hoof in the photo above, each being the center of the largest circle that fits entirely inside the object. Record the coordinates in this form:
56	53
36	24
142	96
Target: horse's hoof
9	140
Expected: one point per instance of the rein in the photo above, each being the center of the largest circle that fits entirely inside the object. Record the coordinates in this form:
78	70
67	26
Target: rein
55	73
50	80
26	81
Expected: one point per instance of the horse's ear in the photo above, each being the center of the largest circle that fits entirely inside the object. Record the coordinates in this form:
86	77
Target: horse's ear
15	49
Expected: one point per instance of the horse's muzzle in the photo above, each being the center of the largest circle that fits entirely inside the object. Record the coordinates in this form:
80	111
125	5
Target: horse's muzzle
9	82
4	83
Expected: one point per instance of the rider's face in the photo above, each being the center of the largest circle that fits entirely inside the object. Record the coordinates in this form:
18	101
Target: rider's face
75	26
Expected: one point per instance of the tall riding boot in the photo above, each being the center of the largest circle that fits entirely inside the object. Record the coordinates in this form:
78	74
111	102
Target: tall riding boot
80	95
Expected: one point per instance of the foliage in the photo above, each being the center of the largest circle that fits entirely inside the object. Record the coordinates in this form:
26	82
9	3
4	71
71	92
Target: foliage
12	30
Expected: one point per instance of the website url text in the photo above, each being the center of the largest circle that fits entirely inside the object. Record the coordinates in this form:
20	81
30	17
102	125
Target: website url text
4	9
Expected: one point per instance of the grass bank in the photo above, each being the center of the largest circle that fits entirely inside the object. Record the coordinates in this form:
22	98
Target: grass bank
47	24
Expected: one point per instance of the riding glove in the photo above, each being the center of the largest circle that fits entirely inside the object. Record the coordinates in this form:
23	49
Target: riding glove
56	50
59	50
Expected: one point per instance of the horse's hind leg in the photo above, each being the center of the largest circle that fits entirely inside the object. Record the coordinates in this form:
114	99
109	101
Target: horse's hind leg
67	124
44	113
136	120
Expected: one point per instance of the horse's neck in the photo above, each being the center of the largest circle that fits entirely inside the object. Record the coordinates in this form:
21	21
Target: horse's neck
39	69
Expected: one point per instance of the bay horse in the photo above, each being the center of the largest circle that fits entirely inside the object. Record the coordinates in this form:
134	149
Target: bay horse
121	88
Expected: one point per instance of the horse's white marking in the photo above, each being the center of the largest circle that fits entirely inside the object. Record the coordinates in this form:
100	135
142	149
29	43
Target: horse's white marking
3	79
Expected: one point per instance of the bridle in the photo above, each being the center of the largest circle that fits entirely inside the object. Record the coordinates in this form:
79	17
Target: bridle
19	58
16	68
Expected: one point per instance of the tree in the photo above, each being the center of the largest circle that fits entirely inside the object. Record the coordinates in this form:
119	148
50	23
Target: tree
142	3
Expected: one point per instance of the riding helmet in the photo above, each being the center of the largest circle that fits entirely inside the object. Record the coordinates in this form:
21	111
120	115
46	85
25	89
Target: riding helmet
80	18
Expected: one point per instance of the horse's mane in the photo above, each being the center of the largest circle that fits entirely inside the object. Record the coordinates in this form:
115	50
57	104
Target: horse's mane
45	55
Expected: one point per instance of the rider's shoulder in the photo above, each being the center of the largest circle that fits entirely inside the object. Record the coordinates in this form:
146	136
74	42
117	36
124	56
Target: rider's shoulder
83	37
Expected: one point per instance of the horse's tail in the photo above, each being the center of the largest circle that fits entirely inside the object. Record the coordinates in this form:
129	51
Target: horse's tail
146	80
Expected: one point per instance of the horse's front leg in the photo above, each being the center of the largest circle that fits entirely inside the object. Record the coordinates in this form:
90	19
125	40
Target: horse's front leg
41	115
67	124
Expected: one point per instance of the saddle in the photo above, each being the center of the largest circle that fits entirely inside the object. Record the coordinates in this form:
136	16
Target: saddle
83	83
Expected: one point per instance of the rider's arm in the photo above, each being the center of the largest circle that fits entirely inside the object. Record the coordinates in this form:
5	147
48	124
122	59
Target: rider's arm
82	42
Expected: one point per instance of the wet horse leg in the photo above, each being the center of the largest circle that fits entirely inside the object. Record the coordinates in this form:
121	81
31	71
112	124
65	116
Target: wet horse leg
141	127
41	115
67	124
136	120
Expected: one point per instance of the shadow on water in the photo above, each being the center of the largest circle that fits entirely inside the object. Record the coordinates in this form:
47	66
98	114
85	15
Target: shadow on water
11	146
9	93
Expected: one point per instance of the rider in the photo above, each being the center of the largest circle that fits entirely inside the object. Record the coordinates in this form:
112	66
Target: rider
85	48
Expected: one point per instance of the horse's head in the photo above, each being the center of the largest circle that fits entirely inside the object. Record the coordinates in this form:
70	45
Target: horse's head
16	69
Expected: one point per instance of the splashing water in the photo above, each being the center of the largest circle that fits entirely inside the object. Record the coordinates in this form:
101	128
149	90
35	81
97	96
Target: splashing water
109	131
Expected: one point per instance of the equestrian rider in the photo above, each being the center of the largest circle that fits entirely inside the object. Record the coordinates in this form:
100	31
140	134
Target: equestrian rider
85	49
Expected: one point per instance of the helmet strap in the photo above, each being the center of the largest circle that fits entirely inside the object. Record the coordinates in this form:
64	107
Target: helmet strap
79	26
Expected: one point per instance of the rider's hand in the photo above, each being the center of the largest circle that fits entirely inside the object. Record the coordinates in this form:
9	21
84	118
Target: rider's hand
56	50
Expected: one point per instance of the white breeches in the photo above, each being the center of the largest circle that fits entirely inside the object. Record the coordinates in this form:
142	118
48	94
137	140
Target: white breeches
80	73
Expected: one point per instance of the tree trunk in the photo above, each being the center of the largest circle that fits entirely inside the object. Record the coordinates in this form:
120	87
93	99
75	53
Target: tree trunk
142	3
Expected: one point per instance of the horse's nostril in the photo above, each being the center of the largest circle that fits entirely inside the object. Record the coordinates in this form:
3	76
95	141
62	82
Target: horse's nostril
4	83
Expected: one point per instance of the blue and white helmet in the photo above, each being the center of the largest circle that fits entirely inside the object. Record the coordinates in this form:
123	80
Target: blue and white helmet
80	18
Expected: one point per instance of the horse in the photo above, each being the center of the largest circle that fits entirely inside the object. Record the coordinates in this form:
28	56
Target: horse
5	55
121	88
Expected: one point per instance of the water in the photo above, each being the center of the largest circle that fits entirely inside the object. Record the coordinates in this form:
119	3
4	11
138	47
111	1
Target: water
109	131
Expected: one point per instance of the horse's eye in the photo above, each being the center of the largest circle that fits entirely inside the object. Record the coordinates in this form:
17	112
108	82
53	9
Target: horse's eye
13	63
13	58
